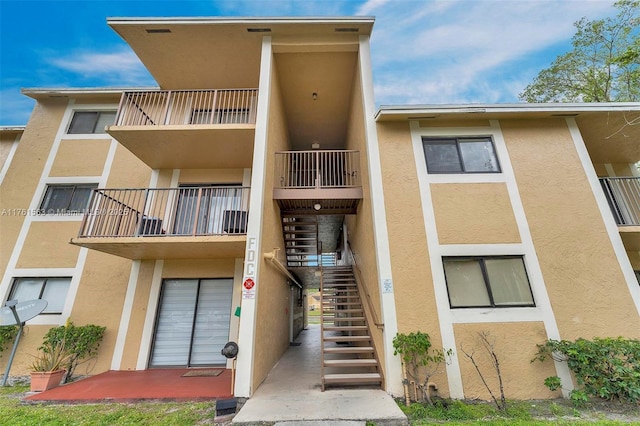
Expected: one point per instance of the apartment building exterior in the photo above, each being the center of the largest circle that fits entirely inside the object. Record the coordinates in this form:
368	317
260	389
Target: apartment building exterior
200	212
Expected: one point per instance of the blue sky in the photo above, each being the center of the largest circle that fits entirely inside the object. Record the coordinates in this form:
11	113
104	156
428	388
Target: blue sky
423	51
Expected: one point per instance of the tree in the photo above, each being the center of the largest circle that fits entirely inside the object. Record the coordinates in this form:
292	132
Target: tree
604	65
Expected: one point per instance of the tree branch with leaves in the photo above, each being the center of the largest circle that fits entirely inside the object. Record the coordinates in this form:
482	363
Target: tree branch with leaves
603	66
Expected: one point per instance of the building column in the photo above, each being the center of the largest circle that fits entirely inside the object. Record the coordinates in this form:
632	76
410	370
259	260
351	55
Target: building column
247	328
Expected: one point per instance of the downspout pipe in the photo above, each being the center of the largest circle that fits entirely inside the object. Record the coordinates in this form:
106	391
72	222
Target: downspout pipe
273	257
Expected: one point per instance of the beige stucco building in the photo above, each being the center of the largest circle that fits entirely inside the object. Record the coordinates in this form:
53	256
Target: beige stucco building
196	213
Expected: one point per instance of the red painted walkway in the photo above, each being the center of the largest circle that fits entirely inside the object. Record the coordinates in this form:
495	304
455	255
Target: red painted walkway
127	386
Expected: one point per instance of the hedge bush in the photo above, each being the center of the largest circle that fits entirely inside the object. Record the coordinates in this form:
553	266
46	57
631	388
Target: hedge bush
607	368
81	343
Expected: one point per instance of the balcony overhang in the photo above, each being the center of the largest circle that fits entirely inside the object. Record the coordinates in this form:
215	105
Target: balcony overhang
630	237
189	146
167	247
329	200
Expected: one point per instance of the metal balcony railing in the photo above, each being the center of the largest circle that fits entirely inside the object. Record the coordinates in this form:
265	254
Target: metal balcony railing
210	210
623	195
317	169
183	107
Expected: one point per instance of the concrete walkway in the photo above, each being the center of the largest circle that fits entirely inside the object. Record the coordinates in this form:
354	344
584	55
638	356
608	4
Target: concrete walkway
291	393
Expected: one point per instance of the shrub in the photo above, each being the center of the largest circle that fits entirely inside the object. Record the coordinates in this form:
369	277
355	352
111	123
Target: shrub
81	343
607	368
419	359
7	335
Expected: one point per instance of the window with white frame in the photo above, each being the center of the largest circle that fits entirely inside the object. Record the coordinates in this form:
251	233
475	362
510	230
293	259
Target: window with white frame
66	198
52	289
489	281
89	122
460	155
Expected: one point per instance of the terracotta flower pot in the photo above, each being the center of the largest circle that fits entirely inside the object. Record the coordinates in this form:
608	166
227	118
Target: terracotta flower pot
42	381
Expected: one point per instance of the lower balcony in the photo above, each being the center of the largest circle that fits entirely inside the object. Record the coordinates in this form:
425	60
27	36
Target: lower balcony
321	182
623	196
171	223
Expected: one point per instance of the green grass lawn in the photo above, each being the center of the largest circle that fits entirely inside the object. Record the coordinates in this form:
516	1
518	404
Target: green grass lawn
314	316
546	412
15	412
549	412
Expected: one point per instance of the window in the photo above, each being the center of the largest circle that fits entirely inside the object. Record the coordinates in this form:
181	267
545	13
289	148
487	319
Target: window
460	155
217	209
66	198
53	290
219	116
87	122
474	282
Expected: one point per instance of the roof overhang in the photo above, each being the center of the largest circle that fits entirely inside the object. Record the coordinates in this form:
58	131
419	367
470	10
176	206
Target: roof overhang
214	52
79	92
495	111
278	25
11	130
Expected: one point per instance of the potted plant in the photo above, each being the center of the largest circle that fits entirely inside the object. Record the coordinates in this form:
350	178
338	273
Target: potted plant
47	369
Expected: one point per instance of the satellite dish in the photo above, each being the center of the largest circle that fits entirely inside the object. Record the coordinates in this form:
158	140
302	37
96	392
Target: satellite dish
25	310
230	350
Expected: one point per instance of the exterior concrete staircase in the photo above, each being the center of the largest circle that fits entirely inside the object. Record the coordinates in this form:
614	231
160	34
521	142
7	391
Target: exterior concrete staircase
300	239
348	355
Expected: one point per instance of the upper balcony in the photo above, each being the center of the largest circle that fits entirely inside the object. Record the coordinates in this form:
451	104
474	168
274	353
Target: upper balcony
188	128
319	181
171	223
623	195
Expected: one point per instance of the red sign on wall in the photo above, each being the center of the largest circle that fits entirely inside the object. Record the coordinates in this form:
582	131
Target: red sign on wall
249	284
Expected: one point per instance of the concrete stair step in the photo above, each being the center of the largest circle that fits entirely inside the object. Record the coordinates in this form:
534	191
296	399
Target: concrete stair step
364	338
341	319
348	350
358	362
352	378
345	328
342	311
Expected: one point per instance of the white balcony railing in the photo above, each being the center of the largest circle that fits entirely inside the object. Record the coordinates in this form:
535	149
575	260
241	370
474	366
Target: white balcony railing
195	211
623	195
183	107
318	169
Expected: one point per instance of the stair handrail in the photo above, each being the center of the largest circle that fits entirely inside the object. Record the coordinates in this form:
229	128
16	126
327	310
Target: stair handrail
273	257
363	288
321	319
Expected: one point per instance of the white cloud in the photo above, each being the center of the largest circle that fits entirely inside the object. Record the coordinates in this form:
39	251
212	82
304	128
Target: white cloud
370	6
121	67
459	50
15	108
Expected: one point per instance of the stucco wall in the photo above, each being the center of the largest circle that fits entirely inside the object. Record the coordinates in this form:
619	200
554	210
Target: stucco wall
206	176
477	213
77	157
360	226
47	245
103	279
515	346
582	275
21	180
138	313
272	324
413	285
7	140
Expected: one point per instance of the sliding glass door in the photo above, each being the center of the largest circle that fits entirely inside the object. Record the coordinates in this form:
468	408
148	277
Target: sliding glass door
192	325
